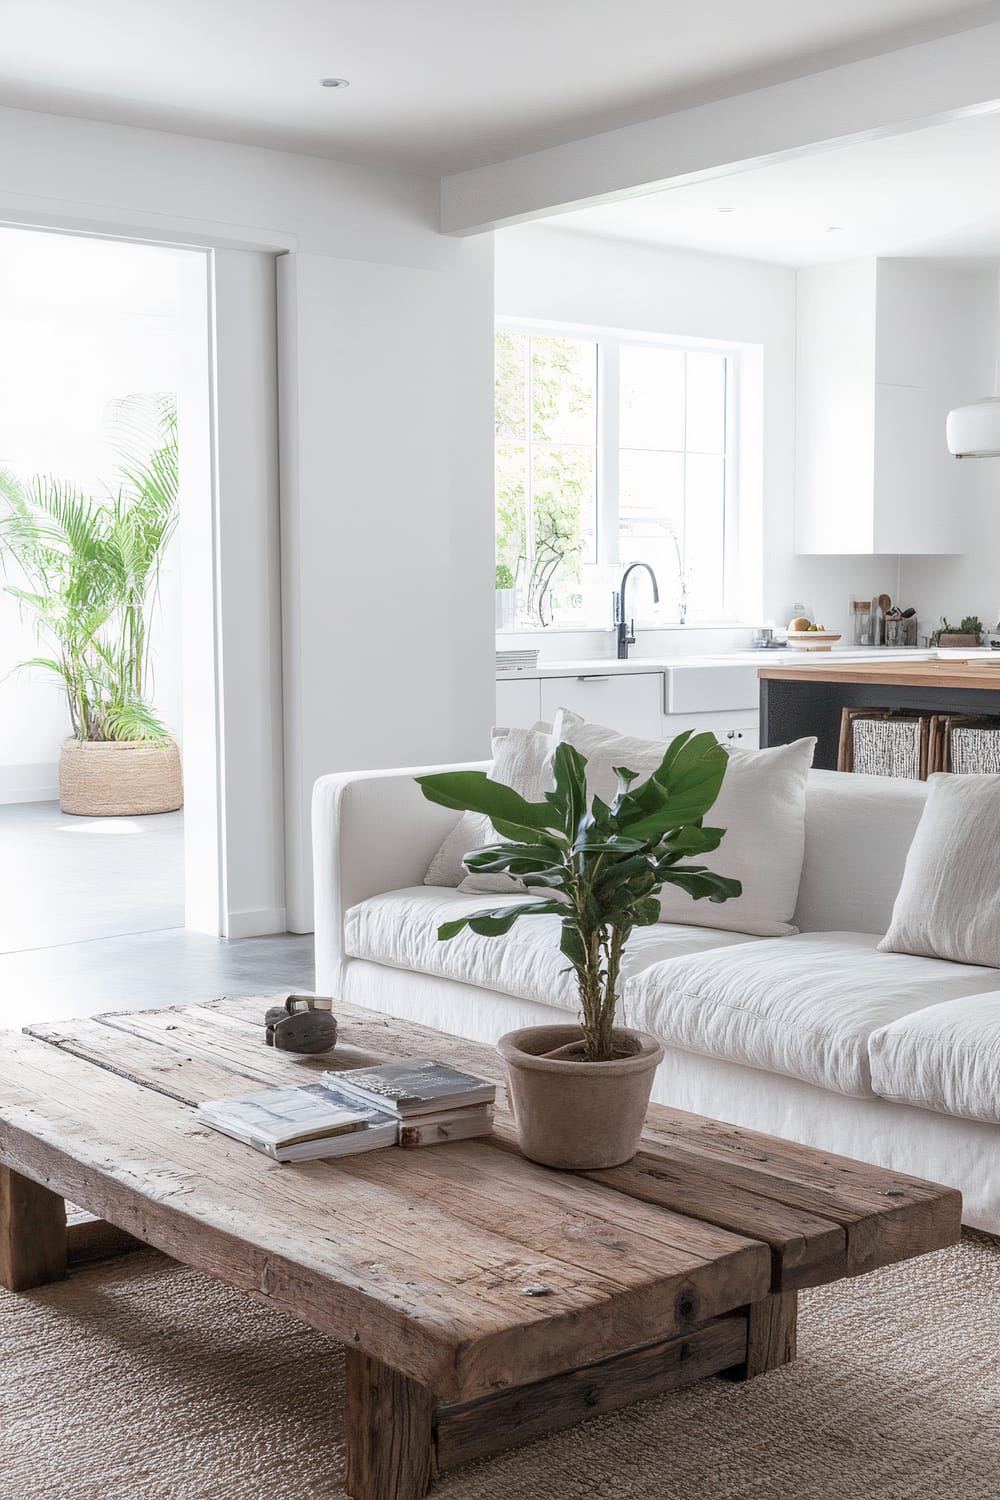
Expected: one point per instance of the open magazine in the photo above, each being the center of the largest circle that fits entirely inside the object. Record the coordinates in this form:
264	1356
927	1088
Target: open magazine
330	1119
301	1124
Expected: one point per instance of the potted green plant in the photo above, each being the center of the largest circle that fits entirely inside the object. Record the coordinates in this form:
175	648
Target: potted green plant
968	633
506	596
87	569
580	1092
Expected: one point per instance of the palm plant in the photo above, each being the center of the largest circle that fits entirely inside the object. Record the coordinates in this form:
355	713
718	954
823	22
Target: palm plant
90	569
601	865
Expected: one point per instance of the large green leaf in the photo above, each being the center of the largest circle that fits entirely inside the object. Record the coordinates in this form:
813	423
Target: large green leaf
495	923
680	791
700	883
569	794
473	791
689	839
571	944
499	856
517	833
616	843
646	912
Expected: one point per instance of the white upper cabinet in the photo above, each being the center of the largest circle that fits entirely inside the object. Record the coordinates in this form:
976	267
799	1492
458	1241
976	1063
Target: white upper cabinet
885	348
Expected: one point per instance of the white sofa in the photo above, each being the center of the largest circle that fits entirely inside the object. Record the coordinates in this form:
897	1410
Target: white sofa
816	1037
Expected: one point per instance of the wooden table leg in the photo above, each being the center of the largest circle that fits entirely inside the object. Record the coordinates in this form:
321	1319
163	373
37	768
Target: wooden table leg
389	1431
771	1330
32	1233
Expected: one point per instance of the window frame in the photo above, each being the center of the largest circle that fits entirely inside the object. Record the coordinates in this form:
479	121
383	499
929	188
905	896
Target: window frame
607	539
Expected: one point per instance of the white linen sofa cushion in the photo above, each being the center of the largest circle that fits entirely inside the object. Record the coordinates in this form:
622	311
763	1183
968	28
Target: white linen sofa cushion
400	929
858	833
945	1058
762	807
949	902
804	1006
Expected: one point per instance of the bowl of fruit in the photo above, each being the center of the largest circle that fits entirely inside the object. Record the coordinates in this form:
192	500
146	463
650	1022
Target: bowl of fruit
807	635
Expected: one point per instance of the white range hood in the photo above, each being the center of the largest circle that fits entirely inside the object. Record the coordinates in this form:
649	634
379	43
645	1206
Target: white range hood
974	431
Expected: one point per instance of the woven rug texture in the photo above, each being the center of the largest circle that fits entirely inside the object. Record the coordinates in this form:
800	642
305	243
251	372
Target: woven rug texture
138	1379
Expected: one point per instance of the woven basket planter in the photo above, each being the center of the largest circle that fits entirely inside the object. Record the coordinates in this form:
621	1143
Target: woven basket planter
119	779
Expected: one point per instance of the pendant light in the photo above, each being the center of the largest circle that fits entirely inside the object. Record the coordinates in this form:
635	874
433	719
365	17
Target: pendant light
974	431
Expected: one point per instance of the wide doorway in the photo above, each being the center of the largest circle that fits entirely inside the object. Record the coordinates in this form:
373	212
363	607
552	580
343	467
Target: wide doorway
109	550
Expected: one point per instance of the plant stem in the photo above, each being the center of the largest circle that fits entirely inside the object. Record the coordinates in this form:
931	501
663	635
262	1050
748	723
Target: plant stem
591	996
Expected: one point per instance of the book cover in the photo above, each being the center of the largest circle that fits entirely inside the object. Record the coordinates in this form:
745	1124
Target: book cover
413	1088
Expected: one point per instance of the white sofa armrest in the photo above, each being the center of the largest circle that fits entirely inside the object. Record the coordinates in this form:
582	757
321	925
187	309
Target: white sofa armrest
372	831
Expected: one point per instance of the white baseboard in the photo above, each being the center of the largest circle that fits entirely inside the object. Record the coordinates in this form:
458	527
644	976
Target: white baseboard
263	923
31	783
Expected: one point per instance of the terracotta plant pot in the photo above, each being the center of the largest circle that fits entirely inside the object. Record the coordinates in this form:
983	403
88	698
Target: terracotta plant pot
578	1115
119	779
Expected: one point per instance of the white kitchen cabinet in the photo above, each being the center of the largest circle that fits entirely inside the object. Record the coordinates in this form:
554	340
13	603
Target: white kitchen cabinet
630	702
737	730
655	705
884	349
698	689
518	702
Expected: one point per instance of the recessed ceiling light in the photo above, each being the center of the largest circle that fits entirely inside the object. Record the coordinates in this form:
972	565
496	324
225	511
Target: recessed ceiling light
727	208
335	83
835	229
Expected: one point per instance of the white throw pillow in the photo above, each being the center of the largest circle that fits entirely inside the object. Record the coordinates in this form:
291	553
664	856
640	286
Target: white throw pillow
762	807
522	760
949	900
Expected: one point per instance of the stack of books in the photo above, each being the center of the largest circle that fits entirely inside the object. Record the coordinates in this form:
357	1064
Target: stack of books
431	1101
406	1104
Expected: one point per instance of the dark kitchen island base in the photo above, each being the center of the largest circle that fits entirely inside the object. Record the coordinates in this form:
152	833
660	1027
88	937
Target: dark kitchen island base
796	701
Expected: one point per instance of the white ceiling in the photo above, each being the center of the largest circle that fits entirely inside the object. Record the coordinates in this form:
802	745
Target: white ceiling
929	193
437	85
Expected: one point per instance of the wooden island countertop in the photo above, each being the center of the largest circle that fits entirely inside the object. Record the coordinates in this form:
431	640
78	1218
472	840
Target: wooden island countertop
974	673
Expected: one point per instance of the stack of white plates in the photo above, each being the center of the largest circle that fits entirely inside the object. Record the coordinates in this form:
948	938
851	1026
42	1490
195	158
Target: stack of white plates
517	661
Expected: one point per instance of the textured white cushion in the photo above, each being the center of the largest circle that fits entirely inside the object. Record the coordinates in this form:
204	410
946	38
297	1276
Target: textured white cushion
400	929
949	902
858	833
804	1006
945	1058
521	759
761	806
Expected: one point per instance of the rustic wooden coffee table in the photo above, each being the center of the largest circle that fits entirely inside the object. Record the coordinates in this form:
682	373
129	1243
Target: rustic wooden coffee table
482	1300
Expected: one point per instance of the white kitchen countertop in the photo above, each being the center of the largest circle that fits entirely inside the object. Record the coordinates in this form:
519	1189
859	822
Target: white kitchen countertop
611	666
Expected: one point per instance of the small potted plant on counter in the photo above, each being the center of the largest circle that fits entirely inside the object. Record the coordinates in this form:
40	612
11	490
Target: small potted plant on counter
969	633
580	1092
506	595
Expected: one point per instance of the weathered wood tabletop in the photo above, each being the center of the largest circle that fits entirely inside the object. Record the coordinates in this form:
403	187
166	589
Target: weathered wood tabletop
482	1300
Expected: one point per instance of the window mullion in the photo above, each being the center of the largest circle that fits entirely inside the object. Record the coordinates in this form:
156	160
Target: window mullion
608	425
529	479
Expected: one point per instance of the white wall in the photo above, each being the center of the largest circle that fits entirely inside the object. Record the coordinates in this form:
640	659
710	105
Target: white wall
553	274
388	652
83	322
969	582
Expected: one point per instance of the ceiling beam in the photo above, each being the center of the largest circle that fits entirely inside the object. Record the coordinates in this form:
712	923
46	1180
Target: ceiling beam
932	82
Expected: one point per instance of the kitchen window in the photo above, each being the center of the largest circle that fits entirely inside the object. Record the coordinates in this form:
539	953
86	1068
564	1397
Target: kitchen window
611	450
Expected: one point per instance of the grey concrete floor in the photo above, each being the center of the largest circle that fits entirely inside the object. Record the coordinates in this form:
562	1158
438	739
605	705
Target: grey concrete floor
91	919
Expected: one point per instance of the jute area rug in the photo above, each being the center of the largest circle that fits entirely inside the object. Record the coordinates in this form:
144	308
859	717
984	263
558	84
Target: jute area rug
140	1380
